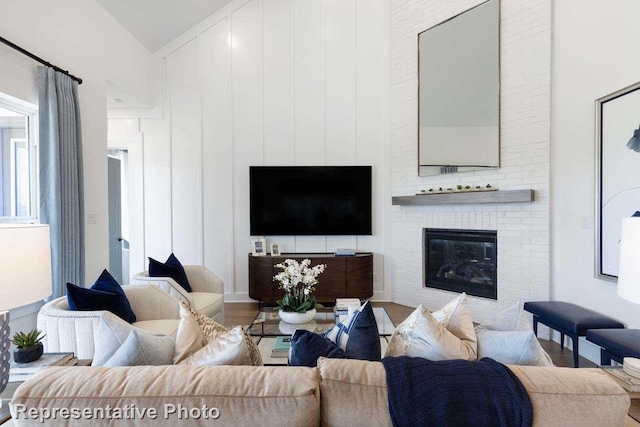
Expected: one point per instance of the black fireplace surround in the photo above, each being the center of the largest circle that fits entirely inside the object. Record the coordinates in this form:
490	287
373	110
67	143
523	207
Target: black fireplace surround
461	261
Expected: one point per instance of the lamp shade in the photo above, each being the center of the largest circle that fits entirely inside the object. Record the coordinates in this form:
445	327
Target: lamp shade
629	272
25	264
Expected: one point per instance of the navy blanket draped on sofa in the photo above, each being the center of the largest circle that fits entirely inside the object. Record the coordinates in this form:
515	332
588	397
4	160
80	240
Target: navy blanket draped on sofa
456	393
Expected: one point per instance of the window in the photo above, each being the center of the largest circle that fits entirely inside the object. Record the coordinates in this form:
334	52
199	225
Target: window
18	161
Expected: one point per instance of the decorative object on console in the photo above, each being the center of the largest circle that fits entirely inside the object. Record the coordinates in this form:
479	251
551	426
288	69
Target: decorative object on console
444	334
258	247
172	268
617	173
345	252
25	277
298	279
275	249
105	294
29	346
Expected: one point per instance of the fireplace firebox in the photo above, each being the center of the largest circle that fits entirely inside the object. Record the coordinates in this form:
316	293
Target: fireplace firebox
461	261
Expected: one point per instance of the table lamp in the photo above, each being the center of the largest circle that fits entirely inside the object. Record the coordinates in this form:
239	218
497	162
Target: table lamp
629	276
25	277
629	271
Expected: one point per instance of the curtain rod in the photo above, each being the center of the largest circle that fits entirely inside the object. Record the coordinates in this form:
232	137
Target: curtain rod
40	60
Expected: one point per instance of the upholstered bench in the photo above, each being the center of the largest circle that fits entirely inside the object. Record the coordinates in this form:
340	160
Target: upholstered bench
615	344
568	319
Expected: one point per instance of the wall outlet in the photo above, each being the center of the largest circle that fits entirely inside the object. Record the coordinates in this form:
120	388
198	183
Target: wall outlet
375	277
93	218
584	221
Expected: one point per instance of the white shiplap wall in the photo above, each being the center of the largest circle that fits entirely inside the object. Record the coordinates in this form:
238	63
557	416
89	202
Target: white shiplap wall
265	82
525	99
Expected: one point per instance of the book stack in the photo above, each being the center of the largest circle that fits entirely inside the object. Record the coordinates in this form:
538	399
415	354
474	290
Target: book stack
345	306
20	372
345	252
281	347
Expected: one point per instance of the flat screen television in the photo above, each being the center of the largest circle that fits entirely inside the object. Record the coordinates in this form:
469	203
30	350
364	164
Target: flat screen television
310	200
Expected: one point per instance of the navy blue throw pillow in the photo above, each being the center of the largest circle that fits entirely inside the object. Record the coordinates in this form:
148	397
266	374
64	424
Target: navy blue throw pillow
172	268
99	298
307	347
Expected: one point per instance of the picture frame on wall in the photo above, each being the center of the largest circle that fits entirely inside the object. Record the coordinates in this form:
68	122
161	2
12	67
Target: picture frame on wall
258	247
617	173
275	249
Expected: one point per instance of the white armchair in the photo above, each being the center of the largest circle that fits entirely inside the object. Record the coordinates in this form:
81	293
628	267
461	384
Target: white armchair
207	296
76	331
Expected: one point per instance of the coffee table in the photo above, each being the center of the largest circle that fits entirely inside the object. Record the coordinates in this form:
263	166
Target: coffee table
267	326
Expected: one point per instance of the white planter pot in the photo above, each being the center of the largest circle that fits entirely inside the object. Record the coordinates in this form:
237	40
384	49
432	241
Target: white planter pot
297	318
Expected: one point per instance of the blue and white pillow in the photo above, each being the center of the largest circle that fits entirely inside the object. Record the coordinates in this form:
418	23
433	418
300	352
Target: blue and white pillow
358	335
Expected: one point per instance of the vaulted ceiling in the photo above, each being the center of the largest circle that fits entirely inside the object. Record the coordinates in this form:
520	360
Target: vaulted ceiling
156	22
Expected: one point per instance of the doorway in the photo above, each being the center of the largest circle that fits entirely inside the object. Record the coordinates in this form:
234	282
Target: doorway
118	215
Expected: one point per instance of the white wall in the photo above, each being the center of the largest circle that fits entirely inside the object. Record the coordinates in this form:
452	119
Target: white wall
264	82
523	228
593	56
80	36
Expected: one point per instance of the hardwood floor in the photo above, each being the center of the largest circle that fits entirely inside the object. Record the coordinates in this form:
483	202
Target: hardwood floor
242	313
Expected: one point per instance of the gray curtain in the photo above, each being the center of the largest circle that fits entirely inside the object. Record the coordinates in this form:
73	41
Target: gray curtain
61	178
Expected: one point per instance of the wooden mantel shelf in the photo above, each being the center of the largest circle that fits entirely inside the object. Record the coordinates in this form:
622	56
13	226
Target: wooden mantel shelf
472	197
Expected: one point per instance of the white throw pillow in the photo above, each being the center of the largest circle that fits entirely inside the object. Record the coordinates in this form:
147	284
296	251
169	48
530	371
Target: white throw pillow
202	341
511	319
512	348
110	336
426	335
189	337
509	339
144	348
229	348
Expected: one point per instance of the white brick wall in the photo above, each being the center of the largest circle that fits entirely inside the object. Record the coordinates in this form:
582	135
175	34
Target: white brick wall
523	228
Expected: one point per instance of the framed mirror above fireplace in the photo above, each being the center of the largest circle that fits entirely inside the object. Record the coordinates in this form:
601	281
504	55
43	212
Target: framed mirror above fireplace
459	92
461	261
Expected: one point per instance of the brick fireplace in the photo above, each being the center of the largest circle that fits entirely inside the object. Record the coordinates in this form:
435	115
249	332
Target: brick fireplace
525	98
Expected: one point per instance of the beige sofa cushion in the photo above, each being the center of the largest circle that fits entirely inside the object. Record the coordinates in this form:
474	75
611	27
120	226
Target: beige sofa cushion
244	395
566	397
561	397
353	392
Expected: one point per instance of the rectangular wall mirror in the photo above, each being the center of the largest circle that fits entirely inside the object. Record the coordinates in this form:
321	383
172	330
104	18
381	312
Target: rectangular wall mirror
459	92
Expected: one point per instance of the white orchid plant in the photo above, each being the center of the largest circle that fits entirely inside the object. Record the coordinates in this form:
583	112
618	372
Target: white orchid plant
298	279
